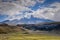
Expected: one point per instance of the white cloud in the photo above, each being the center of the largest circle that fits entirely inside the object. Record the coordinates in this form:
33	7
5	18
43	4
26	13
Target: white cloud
12	8
52	12
15	7
24	2
41	1
43	13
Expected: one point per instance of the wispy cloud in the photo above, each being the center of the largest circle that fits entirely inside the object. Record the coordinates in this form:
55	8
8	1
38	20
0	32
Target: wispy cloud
14	7
51	12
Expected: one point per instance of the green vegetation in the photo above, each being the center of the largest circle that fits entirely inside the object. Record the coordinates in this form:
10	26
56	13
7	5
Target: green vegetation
18	36
8	32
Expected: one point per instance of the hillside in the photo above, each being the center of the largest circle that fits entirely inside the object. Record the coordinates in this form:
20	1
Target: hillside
5	28
53	27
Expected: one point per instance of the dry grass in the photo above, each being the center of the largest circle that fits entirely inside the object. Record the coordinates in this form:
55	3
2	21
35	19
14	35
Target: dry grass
23	35
18	36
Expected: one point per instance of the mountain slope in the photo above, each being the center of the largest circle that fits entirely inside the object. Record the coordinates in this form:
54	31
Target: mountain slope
31	20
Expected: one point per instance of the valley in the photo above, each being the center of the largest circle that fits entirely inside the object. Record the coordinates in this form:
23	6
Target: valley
44	31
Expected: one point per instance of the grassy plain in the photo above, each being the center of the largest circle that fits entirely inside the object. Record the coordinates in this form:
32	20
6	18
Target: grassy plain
18	36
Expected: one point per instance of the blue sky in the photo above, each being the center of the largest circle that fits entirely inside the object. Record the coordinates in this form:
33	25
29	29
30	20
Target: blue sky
19	9
45	4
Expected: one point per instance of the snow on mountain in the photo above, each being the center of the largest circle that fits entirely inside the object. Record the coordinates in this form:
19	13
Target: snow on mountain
31	20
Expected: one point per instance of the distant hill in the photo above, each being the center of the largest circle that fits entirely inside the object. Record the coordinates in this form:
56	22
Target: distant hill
51	27
5	28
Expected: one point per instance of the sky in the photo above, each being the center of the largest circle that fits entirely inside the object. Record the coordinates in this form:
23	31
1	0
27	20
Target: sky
20	9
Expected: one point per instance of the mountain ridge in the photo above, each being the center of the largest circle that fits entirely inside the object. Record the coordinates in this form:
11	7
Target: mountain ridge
31	20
